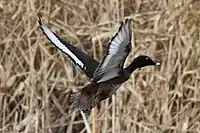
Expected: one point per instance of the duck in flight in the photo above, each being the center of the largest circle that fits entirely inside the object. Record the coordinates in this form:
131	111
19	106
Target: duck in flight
106	76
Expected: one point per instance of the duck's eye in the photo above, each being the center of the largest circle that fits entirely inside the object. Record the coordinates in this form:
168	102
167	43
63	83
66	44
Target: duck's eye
147	58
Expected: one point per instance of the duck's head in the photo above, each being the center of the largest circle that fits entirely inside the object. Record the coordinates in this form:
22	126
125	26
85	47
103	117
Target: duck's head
143	60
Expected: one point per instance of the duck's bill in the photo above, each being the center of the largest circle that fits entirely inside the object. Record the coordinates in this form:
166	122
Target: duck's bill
157	63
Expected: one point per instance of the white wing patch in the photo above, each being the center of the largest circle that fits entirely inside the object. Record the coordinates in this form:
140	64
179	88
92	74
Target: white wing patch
59	44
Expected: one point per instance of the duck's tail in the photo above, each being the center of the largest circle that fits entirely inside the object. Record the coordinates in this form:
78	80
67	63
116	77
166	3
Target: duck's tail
86	99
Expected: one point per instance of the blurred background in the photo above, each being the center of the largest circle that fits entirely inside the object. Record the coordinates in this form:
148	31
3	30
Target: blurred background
36	79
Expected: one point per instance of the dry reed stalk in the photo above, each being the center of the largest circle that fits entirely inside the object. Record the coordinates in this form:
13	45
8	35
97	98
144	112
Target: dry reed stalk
94	120
36	79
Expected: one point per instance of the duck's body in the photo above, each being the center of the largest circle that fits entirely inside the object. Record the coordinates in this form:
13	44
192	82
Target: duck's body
94	93
106	76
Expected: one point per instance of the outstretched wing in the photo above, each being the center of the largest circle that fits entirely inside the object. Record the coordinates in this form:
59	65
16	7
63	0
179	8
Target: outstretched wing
118	49
86	63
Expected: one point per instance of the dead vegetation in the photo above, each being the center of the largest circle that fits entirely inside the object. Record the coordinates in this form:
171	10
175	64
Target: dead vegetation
36	79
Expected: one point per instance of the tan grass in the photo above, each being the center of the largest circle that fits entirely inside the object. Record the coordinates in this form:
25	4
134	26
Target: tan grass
36	79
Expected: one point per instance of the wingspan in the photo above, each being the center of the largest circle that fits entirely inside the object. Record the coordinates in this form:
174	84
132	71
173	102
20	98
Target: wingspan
118	49
86	63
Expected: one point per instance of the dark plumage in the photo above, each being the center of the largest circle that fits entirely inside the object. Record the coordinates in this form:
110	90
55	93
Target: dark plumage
106	76
86	63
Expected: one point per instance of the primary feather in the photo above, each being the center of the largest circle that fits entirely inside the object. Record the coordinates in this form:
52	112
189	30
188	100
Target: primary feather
118	49
86	63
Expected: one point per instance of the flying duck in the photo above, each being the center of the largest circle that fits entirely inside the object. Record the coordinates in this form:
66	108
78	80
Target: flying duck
106	76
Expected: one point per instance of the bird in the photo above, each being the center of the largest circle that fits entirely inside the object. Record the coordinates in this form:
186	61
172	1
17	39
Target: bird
107	75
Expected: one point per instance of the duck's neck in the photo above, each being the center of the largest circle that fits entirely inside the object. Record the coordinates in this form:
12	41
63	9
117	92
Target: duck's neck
132	67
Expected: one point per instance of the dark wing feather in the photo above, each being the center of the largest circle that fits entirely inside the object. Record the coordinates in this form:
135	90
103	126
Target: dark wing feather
118	49
86	63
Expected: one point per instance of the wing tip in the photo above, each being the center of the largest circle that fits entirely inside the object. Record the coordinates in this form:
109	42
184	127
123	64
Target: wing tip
127	27
128	23
41	22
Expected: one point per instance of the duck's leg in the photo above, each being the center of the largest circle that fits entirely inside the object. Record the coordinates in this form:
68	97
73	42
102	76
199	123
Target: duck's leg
94	120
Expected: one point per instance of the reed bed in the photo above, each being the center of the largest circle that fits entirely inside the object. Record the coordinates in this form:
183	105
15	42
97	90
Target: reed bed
36	79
